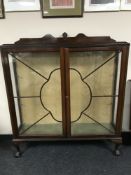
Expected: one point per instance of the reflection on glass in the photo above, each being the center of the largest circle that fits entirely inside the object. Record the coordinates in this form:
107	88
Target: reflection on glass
37	89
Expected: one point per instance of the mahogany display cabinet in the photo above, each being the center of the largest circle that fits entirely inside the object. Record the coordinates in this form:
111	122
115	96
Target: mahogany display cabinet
65	88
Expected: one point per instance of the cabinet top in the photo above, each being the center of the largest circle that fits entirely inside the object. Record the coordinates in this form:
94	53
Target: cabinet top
80	40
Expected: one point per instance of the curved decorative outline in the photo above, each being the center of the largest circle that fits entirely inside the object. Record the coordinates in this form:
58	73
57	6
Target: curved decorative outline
89	91
81	80
41	95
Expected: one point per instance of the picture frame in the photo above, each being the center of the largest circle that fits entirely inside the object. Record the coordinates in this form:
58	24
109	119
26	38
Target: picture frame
125	5
62	8
2	11
101	5
21	5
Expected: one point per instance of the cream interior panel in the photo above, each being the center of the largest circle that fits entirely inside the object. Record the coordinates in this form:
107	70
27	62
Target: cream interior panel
45	90
86	62
99	83
102	81
51	95
80	95
101	110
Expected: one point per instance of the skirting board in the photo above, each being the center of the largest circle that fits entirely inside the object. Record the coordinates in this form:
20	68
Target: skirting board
126	136
4	137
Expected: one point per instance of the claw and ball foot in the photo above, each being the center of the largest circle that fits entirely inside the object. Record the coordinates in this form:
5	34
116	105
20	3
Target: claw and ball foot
18	152
117	143
117	150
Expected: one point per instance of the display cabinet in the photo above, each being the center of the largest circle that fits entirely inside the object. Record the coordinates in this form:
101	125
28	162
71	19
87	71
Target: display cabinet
66	88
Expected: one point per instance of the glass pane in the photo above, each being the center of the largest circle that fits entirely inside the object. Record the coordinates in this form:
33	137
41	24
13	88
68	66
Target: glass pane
93	91
37	92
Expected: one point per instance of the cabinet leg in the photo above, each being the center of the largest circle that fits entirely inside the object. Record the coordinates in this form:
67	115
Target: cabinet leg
117	143
17	150
117	150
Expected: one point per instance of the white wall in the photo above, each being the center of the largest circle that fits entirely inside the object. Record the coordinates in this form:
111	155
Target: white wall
31	24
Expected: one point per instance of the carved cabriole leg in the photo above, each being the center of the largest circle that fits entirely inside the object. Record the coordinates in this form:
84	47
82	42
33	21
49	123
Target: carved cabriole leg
118	143
17	149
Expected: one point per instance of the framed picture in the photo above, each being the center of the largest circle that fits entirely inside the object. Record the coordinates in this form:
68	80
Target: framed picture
101	5
62	8
125	5
2	14
21	5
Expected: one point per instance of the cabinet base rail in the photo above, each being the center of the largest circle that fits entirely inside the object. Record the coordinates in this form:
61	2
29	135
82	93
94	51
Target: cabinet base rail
18	152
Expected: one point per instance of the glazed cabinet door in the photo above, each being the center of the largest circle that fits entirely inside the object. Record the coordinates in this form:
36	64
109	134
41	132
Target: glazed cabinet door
38	81
93	83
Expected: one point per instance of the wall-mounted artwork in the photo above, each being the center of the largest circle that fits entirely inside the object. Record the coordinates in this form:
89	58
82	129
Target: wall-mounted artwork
62	8
57	4
125	4
22	5
101	5
2	15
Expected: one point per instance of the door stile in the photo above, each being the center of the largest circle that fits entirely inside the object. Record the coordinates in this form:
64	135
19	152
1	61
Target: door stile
122	84
67	96
63	91
9	88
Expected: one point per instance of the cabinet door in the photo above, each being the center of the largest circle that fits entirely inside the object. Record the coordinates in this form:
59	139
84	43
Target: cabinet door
94	79
37	92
